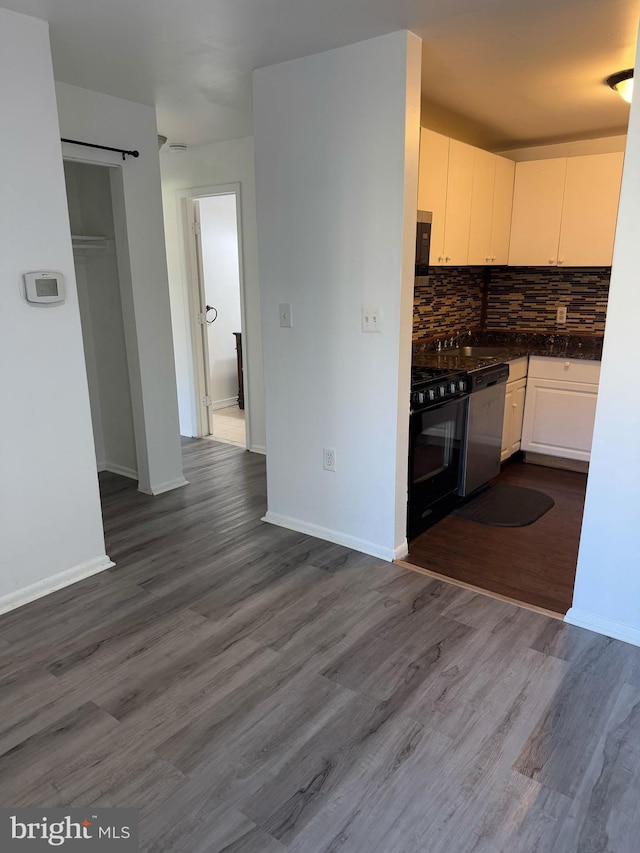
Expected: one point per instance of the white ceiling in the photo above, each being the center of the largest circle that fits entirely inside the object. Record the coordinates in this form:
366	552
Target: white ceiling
498	73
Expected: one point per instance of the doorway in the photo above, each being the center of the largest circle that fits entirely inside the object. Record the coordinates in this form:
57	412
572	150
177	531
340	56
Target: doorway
98	278
216	302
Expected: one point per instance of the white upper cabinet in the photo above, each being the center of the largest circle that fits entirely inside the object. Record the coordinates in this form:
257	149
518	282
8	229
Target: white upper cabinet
502	207
432	184
489	210
564	211
491	200
484	179
590	210
537	212
444	187
458	213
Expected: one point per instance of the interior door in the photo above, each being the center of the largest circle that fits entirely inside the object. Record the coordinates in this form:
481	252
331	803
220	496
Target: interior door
203	370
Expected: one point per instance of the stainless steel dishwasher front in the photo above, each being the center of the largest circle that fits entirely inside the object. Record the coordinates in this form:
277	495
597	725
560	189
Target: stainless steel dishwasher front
483	435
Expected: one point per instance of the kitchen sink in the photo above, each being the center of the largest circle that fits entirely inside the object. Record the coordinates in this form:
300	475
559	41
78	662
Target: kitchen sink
480	352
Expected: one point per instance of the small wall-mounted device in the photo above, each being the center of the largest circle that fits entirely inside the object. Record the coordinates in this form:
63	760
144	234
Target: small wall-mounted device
44	287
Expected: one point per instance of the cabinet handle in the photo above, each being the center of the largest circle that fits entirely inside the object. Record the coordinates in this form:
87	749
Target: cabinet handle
552	260
440	258
487	259
560	262
567	365
447	258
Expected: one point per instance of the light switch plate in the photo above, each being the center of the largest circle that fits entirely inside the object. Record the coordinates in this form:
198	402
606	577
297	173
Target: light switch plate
285	315
371	319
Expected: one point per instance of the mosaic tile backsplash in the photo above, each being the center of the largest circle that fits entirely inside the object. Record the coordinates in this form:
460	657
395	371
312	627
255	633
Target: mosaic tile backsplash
527	298
447	300
519	299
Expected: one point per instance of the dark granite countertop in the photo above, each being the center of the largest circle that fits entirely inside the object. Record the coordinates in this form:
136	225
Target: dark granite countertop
511	346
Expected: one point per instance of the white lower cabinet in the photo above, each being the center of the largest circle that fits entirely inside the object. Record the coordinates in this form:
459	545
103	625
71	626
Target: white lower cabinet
560	407
514	407
513	417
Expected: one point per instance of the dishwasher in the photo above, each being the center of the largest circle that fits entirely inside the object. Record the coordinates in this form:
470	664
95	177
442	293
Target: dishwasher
483	433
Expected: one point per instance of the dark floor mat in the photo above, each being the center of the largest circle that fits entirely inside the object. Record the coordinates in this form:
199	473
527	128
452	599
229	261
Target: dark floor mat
503	505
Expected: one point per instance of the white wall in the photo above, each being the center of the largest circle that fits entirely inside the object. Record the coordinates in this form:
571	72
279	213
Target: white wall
219	240
336	145
90	211
93	117
50	522
607	589
211	165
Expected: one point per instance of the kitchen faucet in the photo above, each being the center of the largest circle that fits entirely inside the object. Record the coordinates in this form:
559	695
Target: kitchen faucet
456	339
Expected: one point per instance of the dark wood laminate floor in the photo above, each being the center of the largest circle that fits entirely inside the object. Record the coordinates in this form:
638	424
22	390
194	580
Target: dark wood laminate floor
252	689
534	564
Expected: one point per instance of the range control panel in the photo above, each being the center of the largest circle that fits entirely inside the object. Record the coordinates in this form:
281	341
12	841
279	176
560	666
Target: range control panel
430	386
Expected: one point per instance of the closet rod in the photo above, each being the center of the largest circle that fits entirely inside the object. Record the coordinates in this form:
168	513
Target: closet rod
122	151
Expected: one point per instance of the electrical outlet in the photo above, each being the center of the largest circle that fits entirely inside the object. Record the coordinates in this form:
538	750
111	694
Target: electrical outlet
328	459
561	314
285	315
371	319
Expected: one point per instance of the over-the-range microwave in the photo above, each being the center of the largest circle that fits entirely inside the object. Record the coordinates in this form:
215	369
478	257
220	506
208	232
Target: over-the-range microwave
423	242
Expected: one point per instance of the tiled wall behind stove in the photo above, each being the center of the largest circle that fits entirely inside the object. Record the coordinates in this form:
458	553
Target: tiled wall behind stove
527	298
446	301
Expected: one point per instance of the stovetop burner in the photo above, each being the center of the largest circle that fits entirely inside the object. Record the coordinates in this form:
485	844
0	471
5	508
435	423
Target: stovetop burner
421	374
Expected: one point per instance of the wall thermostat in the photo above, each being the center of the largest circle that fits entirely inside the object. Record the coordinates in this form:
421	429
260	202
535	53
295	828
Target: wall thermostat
44	287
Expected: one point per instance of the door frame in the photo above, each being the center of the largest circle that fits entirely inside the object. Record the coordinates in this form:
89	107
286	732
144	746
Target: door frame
194	286
113	162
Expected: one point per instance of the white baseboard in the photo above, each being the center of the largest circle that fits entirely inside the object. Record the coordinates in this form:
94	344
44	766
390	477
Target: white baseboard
224	404
165	487
601	625
363	545
120	469
51	584
258	448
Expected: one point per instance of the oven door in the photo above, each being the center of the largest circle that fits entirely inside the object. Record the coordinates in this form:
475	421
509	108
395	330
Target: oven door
435	454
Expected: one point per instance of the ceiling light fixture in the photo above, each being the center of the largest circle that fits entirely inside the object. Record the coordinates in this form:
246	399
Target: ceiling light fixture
622	82
177	147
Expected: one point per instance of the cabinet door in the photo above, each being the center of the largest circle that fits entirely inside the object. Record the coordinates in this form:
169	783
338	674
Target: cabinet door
558	418
517	416
432	187
537	212
513	417
505	451
458	212
502	207
480	225
590	210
